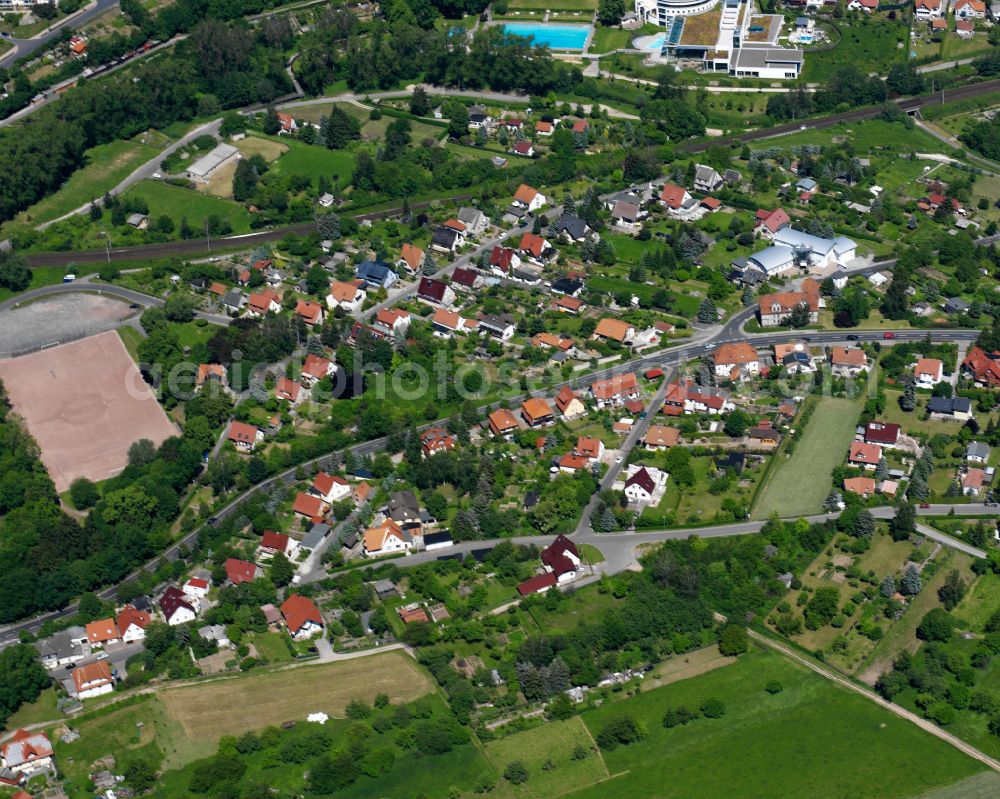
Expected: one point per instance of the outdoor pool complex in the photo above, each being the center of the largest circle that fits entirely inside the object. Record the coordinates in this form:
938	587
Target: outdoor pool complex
558	37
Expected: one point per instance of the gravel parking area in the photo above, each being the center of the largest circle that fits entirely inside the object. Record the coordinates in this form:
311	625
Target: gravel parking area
57	319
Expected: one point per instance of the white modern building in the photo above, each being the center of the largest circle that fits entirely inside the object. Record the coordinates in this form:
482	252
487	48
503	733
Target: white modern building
792	249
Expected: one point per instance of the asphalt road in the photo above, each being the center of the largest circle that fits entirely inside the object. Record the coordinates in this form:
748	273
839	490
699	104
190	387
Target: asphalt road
25	47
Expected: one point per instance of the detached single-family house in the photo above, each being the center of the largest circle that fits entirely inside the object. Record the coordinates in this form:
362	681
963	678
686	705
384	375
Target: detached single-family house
302	617
537	249
571	228
436	292
245	436
977	452
308	506
589	448
501	327
659	437
241	571
615	390
864	455
26	752
773	309
969	9
177	607
196	587
446	239
445	323
132	624
973	481
288	124
929	9
330	488
627	216
102	632
411	259
569	404
528	198
736	360
315	368
674	197
885	434
288	390
310	312
434	440
982	367
706	179
210	371
376	274
503	260
347	295
392	321
93	679
640	486
387	537
475	221
950	408
614	330
502	422
562	559
928	372
770	222
536	412
271	543
265	302
862	486
523	148
848	361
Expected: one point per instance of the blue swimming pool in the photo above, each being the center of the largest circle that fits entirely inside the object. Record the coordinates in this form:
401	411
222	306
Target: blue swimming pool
558	37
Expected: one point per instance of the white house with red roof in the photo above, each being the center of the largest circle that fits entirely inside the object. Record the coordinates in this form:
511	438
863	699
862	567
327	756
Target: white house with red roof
197	587
302	618
244	436
928	372
308	506
528	198
767	223
615	390
310	312
132	624
26	752
288	124
434	440
271	543
392	321
259	304
93	679
868	6
330	488
315	368
102	632
970	9
411	258
864	455
288	390
929	9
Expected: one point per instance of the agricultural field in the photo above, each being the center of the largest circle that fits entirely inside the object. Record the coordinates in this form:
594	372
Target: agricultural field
798	483
809	739
547	753
205	710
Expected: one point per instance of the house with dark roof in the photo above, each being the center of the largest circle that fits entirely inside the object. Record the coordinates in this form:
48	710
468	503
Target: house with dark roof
376	274
570	228
446	239
950	408
570	286
436	291
562	559
640	486
177	607
885	434
466	279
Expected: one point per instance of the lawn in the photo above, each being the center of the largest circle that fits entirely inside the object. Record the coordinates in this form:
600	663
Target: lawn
913	422
980	603
584	605
40	276
106	166
269	149
308	159
42	709
551	745
178	203
206	710
607	39
131	338
271	647
811	739
871	45
864	137
799	483
553	5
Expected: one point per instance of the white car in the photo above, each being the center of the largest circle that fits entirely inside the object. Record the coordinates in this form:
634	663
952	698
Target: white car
157	175
102	655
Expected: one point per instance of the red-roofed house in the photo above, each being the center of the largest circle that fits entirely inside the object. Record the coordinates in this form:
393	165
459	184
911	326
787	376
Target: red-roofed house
411	258
590	448
266	301
310	312
288	390
659	437
392	321
502	422
504	259
928	9
436	291
271	543
101	632
569	404
982	367
865	455
536	412
615	390
862	486
196	587
330	487
736	360
562	559
928	372
674	198
26	752
523	148
93	679
241	571
528	198
132	624
770	222
315	368
244	436
848	361
538	584
534	246
308	506
885	434
302	617
970	9
863	5
288	124
973	481
177	607
434	440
